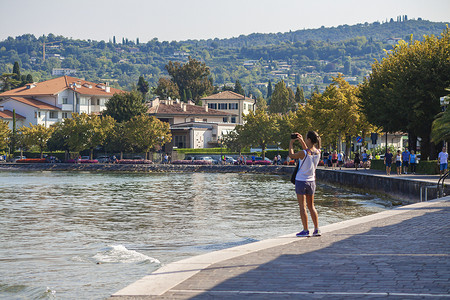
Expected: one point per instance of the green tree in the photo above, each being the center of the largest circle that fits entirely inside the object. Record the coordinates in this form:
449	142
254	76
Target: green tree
192	76
14	133
5	134
124	106
117	140
36	135
238	88
234	140
142	86
16	71
269	90
280	99
441	127
299	95
259	129
261	103
144	133
167	88
58	140
403	91
8	81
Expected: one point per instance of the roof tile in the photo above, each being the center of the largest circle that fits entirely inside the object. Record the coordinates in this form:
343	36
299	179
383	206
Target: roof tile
56	85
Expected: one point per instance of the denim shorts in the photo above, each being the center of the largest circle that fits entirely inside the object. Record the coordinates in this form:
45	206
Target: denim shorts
305	187
442	168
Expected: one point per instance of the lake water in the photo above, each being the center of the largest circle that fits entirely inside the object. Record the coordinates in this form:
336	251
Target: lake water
86	235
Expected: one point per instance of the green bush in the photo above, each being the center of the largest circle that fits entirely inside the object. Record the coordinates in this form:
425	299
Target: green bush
427	167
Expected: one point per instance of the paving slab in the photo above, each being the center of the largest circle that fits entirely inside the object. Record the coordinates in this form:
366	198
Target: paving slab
401	253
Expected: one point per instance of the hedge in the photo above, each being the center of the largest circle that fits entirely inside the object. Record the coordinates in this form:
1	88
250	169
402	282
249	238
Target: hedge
428	167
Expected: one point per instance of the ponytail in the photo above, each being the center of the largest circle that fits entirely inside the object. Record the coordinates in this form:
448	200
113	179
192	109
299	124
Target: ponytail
315	138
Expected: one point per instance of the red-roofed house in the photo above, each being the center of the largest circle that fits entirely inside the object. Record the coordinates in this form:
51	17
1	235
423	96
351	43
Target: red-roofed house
192	126
53	100
7	115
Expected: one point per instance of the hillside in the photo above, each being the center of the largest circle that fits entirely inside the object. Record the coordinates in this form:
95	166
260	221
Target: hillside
304	57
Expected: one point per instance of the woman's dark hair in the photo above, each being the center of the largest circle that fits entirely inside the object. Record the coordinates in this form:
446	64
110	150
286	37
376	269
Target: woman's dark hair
314	137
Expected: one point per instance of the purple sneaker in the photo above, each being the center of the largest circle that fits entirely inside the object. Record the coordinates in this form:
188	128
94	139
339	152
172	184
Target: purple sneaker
303	233
317	232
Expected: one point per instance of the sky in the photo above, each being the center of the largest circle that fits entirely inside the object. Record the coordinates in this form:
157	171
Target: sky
170	20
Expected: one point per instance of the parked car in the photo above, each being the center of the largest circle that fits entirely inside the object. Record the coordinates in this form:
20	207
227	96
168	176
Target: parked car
230	160
103	159
208	158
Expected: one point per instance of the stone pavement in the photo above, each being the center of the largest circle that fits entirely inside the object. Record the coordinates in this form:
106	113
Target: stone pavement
402	253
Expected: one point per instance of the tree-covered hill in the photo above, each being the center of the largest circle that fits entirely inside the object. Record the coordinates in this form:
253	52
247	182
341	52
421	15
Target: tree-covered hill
304	58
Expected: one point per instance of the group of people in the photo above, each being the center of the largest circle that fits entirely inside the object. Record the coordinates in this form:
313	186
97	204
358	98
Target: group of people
407	161
403	160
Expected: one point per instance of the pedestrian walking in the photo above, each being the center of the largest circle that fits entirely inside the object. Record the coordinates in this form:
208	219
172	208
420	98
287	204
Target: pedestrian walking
443	161
357	161
334	158
398	162
305	178
340	158
413	162
365	159
405	160
388	161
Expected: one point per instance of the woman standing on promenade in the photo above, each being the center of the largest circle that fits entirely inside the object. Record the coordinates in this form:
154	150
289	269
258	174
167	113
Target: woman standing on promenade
305	179
398	162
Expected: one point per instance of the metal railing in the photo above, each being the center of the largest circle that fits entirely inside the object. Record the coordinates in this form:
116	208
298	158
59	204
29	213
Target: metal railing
440	188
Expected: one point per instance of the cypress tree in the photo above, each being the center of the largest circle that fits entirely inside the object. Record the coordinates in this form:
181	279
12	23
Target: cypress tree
14	134
238	88
269	89
16	70
114	40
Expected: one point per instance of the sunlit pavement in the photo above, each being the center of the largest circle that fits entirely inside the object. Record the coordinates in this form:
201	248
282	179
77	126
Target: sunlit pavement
401	253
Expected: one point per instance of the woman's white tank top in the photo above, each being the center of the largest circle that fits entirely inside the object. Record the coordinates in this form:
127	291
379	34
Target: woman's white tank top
309	163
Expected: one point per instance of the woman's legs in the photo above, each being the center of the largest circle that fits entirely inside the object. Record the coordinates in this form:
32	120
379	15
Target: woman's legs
302	202
303	215
312	210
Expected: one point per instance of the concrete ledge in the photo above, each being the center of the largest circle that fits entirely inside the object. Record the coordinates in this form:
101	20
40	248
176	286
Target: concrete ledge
169	276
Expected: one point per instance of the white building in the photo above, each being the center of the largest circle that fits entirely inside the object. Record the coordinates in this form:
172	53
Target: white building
231	102
192	126
53	100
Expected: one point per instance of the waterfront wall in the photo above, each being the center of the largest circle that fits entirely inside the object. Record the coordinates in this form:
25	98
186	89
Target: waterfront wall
404	189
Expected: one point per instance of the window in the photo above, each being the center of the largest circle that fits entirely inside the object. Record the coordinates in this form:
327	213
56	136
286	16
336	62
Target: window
233	106
35	114
65	100
53	115
225	119
205	120
245	106
233	119
223	105
212	105
179	141
98	101
65	115
39	114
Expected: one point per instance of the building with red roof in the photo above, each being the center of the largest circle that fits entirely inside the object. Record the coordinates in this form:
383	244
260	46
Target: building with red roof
53	100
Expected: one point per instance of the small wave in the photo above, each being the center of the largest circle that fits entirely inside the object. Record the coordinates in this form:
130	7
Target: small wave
19	291
120	254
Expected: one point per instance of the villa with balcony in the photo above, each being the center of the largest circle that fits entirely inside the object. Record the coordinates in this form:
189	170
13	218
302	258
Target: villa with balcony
53	100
